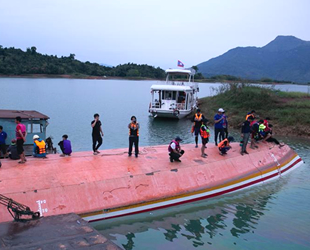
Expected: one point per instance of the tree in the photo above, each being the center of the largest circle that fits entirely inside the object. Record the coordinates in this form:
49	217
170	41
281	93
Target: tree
72	56
33	50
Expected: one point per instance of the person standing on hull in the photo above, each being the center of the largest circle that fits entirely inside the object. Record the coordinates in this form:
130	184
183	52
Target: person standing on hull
197	119
3	136
133	135
175	151
205	134
218	126
96	134
245	133
21	135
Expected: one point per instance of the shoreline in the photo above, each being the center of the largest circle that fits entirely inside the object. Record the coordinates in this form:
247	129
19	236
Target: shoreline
88	77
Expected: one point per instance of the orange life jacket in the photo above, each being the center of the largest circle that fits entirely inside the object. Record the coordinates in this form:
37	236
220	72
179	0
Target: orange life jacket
41	146
249	115
222	145
204	133
198	118
132	130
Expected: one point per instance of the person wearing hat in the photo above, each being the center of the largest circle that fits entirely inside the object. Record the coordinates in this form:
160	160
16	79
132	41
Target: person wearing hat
218	126
175	151
65	146
133	127
38	147
197	120
12	150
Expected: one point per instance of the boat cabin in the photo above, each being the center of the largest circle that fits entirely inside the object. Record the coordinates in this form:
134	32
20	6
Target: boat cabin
34	121
176	98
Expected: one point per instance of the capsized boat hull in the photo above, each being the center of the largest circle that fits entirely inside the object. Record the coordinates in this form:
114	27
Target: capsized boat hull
112	184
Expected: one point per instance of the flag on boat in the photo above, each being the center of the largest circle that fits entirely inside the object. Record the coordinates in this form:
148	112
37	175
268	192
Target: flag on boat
180	64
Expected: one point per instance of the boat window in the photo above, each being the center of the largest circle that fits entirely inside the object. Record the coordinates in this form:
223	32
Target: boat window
169	95
34	128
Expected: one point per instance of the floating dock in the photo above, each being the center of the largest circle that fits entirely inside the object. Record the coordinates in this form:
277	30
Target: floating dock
112	184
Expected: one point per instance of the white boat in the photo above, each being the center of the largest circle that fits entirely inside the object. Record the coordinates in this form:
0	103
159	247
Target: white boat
177	97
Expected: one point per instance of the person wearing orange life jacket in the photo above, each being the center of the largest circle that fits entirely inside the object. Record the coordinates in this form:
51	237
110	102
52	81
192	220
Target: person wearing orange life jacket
134	127
197	120
38	147
174	149
205	134
224	145
252	113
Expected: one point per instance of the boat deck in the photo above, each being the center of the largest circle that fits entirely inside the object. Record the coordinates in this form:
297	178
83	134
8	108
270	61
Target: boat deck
84	183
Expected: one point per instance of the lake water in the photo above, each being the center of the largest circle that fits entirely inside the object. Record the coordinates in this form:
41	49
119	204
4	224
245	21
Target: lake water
272	216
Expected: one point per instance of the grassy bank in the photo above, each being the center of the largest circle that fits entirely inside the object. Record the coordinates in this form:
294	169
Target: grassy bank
289	111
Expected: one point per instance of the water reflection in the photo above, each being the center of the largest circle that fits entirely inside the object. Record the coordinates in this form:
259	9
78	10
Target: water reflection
200	222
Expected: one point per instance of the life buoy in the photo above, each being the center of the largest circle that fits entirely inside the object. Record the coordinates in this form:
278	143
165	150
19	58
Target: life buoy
176	112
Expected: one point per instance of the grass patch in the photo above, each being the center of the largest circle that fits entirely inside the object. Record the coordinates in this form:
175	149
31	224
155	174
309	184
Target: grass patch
289	111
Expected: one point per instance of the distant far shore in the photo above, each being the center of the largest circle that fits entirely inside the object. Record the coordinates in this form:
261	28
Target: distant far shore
36	76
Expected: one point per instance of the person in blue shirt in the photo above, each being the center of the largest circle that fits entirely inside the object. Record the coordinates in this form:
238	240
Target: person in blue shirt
3	137
218	126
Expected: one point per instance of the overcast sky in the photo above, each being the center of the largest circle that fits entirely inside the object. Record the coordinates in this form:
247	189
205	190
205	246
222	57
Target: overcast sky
150	32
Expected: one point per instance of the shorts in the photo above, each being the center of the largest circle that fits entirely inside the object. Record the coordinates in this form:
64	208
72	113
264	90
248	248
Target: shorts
19	146
204	141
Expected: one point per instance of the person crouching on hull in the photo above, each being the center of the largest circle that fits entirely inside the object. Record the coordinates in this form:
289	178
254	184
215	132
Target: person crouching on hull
224	145
65	146
38	147
175	151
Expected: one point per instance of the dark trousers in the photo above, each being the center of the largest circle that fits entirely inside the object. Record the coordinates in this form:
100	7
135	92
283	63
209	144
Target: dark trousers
224	150
218	132
246	137
175	156
271	139
96	139
133	140
225	132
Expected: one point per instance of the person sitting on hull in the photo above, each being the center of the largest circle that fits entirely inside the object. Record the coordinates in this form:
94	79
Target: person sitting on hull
175	151
38	147
224	145
65	146
205	134
133	135
12	151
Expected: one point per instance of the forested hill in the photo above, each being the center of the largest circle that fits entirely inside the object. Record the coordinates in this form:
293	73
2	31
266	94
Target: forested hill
285	58
17	62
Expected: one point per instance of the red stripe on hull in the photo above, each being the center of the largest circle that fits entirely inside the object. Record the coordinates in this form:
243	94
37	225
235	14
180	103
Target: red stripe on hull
204	197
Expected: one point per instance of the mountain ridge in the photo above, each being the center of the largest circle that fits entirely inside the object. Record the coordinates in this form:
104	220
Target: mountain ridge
286	58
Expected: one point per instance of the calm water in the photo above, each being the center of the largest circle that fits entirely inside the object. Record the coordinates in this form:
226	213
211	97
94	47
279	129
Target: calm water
272	216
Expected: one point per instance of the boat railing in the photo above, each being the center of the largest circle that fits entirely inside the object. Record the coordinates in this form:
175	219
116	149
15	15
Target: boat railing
178	106
155	105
